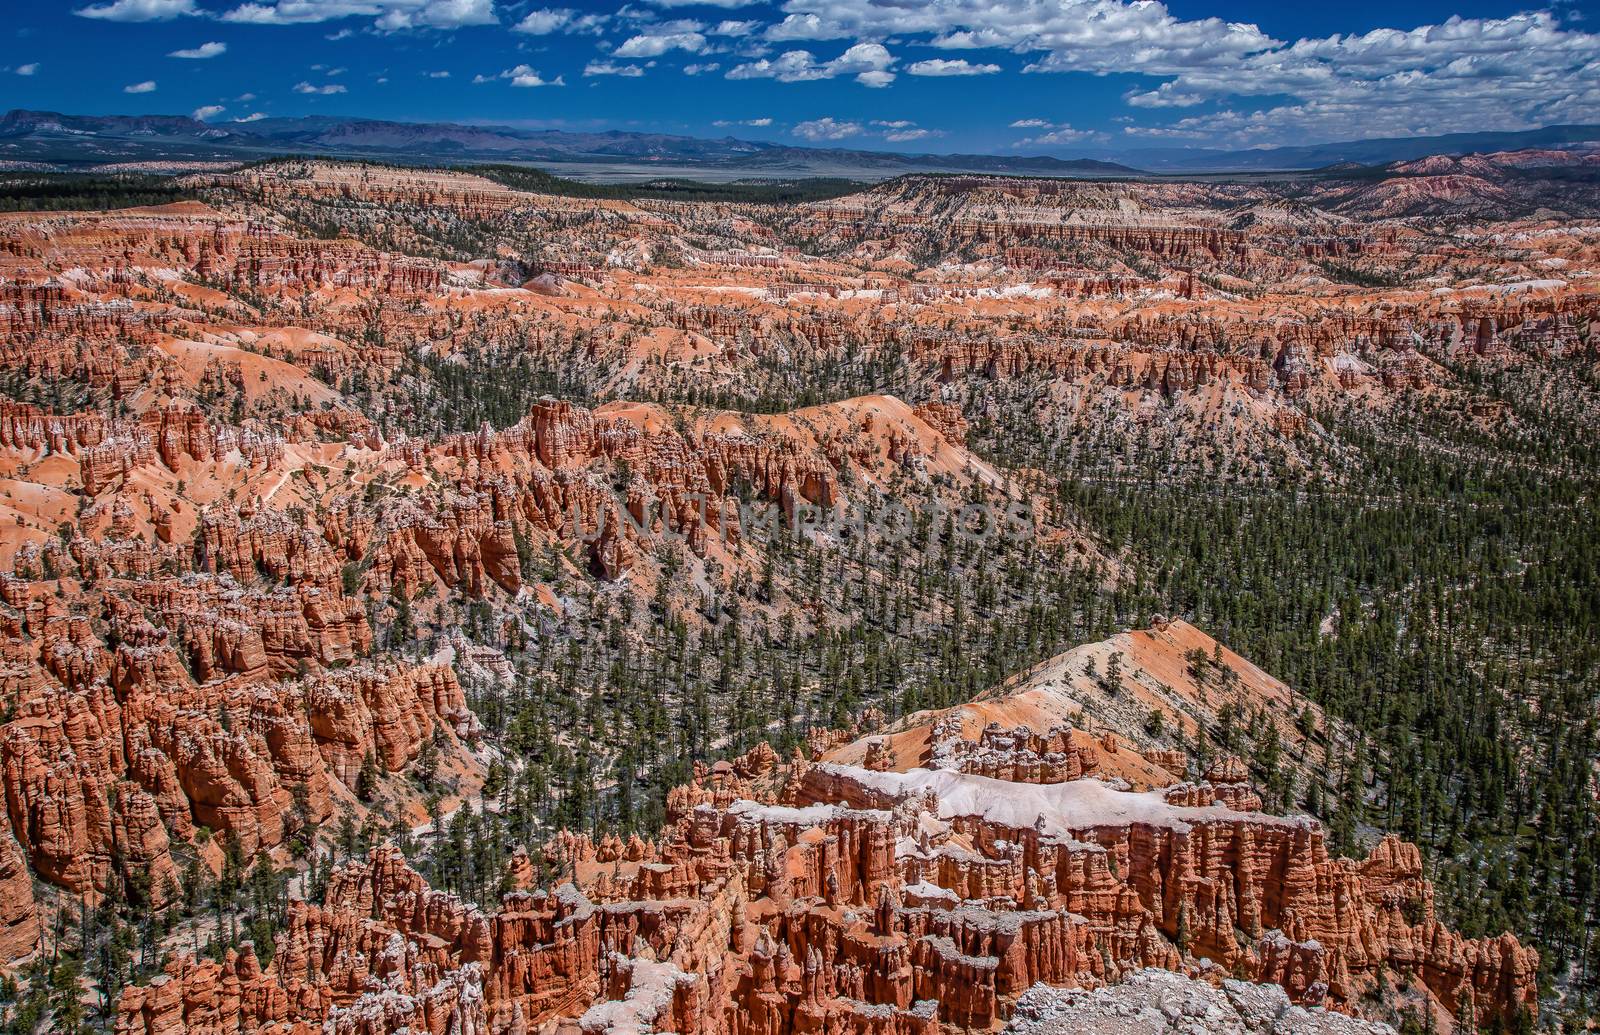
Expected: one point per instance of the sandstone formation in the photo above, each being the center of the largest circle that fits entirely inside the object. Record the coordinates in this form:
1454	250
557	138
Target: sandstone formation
114	749
828	896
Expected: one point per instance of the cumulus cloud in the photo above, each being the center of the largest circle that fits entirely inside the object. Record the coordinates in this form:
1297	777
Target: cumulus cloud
148	86
870	63
806	27
388	15
1522	70
895	131
1088	35
647	45
202	52
442	74
827	128
521	75
255	116
794	66
207	111
1464	74
594	68
588	24
758	123
31	68
944	67
139	10
1059	133
1167	95
734	28
701	67
899	131
324	90
531	78
729	4
545	21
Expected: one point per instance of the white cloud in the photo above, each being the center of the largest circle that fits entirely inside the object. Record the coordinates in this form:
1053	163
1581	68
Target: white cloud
794	66
589	24
757	123
31	68
438	75
389	15
1164	96
255	116
1086	35
727	4
898	131
1029	124
827	128
595	68
521	75
870	63
806	27
944	67
439	14
207	111
203	51
545	21
654	45
139	10
734	28
1060	133
1461	75
148	86
1523	70
863	58
699	68
325	90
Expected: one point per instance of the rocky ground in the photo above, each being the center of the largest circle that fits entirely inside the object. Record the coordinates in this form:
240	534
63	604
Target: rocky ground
1158	1002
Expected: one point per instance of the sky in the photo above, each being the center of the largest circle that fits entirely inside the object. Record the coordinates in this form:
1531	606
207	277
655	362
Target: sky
1063	77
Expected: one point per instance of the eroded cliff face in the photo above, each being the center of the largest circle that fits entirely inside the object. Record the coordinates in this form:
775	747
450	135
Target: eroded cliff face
821	896
184	714
184	670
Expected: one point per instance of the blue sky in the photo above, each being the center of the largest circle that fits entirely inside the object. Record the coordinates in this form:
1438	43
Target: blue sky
1000	76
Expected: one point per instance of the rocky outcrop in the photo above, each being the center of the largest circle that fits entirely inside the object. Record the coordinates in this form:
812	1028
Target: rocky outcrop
1158	1002
1017	755
111	755
545	478
854	899
19	914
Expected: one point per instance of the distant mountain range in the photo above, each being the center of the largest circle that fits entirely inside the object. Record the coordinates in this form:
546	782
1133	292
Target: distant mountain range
83	140
43	136
1379	151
